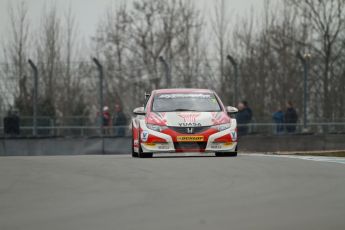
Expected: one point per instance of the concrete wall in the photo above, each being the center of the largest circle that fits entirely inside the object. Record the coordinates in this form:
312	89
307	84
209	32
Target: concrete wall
84	146
64	146
292	143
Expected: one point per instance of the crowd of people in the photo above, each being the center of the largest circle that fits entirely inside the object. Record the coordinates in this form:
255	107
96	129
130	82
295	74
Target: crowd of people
115	124
285	120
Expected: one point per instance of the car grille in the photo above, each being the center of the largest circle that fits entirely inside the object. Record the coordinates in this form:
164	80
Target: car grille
186	130
190	145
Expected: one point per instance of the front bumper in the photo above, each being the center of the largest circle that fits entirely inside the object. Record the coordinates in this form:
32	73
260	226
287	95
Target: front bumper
157	142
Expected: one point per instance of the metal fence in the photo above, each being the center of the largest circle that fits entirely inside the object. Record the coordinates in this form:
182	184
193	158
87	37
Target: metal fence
89	127
65	127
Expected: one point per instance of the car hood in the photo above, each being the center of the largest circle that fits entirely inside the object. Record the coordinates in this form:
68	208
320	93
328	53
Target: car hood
187	119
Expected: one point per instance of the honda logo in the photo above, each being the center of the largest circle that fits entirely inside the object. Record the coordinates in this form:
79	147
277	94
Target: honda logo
190	130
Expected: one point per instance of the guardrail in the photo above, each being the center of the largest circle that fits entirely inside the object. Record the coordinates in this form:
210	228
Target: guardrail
78	131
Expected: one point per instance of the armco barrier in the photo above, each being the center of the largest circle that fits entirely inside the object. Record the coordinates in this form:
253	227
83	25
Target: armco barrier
95	146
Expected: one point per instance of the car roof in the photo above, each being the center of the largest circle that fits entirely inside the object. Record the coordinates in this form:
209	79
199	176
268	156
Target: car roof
182	90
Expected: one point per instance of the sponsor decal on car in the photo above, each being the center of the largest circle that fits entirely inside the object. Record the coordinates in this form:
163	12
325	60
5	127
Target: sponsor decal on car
219	118
190	138
184	95
216	146
189	124
163	147
144	136
189	117
233	135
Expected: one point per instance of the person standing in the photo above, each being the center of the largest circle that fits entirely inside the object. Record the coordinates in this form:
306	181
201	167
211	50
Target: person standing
243	117
119	122
291	118
278	118
106	118
12	123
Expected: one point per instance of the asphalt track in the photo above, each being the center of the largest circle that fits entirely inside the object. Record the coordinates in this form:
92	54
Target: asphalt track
118	192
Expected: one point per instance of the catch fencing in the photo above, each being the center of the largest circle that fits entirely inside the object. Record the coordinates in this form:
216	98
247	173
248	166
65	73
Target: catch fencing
90	127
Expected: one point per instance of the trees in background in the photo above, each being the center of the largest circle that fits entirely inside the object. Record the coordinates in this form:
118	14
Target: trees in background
132	37
16	52
221	31
326	23
131	40
53	47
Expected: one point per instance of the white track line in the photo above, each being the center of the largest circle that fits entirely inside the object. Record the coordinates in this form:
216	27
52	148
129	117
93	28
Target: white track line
340	160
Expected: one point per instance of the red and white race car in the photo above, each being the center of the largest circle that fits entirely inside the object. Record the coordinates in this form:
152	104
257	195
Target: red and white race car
184	120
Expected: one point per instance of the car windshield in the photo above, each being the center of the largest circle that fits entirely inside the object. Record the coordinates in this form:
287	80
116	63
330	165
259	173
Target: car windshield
200	102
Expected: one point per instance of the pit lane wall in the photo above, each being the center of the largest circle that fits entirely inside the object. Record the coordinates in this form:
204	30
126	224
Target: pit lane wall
95	146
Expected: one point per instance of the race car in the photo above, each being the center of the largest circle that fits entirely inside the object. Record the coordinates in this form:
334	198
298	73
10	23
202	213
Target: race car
184	121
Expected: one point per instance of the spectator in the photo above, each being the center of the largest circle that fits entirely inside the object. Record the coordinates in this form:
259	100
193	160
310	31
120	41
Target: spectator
278	118
12	123
291	118
106	120
243	117
119	122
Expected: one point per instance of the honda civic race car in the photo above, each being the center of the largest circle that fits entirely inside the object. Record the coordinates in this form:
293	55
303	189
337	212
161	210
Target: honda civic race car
184	120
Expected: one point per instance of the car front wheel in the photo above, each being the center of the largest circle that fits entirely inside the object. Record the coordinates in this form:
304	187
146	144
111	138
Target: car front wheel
144	155
134	154
227	154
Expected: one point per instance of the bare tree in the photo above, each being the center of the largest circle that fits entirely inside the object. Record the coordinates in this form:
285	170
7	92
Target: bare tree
16	51
49	56
131	42
327	20
131	39
189	48
72	99
220	26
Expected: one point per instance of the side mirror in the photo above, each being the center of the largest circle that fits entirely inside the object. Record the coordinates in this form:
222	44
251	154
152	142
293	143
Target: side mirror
139	111
231	110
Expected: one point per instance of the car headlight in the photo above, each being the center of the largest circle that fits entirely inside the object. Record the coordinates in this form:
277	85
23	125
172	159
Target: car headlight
157	128
222	127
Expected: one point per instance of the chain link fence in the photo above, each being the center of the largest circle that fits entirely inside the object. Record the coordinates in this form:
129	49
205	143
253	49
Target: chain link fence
78	93
90	127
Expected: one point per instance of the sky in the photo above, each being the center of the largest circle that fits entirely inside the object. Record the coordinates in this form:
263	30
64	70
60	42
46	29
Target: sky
89	12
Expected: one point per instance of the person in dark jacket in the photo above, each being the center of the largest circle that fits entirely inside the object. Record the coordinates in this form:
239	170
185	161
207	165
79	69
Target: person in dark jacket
243	117
119	122
291	118
278	118
12	123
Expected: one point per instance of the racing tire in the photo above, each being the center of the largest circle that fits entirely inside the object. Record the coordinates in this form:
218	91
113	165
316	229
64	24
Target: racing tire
228	154
134	154
141	154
